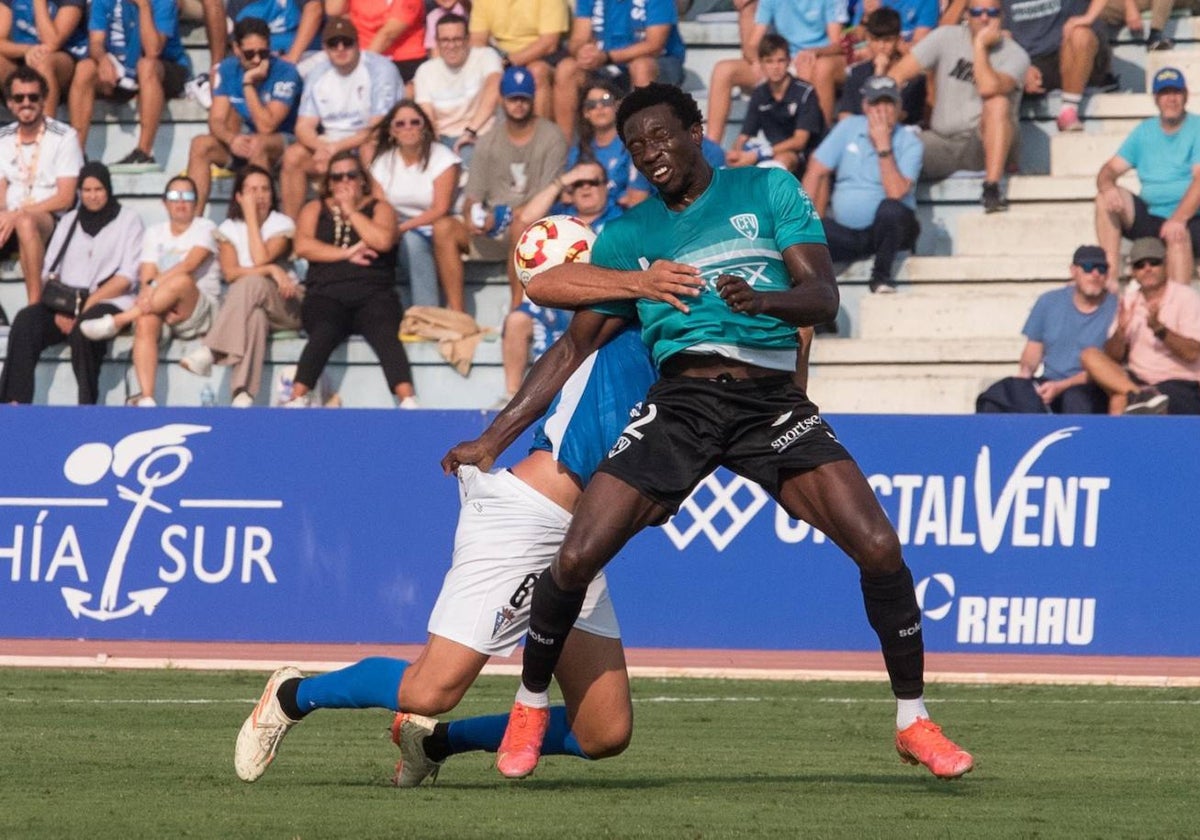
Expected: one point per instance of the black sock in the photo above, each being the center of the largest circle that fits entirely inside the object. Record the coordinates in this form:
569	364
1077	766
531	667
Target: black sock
437	745
552	613
286	695
892	611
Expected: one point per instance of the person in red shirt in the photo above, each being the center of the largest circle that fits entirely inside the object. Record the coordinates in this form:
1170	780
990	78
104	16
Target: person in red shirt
393	28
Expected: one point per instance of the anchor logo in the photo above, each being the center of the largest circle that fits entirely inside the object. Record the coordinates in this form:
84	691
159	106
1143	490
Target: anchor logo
161	458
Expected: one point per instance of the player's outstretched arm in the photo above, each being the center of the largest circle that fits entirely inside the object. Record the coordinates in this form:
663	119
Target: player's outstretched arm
577	285
587	332
813	298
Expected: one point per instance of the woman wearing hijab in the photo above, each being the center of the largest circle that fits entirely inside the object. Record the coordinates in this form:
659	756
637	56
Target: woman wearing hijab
95	248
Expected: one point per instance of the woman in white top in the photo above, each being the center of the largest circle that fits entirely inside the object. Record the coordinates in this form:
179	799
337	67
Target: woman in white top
254	244
419	178
95	248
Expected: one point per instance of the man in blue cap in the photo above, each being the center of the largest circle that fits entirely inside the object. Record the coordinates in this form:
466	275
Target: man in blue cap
1165	151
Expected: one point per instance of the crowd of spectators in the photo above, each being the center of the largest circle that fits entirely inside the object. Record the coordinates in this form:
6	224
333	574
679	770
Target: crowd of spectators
457	124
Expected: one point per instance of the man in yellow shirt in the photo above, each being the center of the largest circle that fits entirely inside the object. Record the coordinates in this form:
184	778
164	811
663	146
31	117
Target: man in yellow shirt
527	34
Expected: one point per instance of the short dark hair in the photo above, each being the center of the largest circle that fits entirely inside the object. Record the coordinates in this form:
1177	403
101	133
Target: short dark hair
884	22
239	181
25	73
682	105
450	17
248	26
771	44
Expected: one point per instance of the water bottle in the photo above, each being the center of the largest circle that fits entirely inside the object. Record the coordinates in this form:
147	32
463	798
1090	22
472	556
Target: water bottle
208	397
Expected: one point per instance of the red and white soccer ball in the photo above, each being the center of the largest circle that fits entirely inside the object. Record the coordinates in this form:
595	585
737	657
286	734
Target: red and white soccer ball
552	241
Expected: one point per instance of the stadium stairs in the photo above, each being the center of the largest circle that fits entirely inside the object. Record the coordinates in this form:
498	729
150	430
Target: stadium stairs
953	327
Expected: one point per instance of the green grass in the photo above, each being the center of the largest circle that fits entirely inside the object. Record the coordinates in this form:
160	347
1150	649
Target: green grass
102	754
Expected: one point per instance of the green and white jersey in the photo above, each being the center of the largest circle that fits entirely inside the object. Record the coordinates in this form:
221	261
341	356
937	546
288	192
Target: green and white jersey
740	225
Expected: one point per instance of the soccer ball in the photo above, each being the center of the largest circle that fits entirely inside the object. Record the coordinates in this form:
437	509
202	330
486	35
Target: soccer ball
552	241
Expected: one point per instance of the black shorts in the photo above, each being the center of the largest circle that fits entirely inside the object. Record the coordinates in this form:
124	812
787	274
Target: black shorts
1051	70
762	429
408	68
1146	223
175	76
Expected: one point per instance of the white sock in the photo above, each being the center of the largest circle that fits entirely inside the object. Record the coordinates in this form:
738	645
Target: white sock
1072	100
534	699
907	711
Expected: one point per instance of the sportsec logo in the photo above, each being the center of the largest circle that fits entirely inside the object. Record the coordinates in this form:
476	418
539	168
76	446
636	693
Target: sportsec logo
1008	619
140	470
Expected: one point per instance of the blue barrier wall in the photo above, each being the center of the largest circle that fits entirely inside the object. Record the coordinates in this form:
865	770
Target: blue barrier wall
1027	534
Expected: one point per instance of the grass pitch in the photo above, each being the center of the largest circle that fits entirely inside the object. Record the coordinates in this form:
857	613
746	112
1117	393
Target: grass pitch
123	754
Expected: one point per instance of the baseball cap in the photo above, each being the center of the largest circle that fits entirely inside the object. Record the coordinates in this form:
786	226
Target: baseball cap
1089	255
1148	247
1168	78
339	27
881	87
517	81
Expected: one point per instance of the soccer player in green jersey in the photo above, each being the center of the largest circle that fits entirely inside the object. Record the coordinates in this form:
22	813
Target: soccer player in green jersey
721	268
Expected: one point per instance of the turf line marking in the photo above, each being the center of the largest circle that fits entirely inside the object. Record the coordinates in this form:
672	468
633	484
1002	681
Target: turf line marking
847	701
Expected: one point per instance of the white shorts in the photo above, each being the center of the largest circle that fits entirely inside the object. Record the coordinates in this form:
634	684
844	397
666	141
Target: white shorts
507	535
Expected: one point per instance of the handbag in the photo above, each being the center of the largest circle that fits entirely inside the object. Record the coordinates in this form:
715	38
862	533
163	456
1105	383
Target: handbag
57	295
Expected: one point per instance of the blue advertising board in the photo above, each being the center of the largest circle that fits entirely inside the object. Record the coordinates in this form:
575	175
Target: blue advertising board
1024	534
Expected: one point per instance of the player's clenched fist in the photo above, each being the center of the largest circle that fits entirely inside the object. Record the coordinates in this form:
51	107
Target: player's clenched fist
738	295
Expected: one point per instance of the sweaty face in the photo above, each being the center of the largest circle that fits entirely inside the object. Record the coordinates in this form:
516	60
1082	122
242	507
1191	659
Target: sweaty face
662	149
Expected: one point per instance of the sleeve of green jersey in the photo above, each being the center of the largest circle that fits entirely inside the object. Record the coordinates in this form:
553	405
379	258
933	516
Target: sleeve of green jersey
613	250
796	221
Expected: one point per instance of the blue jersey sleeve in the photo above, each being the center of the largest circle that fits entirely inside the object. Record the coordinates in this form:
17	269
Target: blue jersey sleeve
1035	324
829	153
927	14
909	154
98	15
661	12
796	221
229	78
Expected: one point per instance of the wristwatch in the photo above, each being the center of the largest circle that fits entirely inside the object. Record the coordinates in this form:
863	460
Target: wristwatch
1161	333
885	153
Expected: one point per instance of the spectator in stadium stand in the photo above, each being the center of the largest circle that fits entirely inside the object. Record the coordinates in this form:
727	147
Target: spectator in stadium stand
1151	361
436	12
459	89
1063	323
529	330
212	14
813	29
631	43
599	141
523	155
253	247
253	112
1119	13
39	171
419	178
345	96
526	33
295	26
783	121
179	287
1067	45
1165	152
134	50
977	75
48	36
348	236
391	28
873	162
99	242
881	30
917	17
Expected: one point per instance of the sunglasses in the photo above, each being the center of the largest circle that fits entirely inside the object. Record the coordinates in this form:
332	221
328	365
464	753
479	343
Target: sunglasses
407	123
976	11
261	55
179	195
352	175
1089	267
1154	261
340	42
31	98
590	182
602	102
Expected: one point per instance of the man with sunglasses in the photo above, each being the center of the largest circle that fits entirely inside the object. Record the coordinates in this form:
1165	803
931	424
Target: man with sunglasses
39	170
1150	363
1063	323
345	96
180	286
254	109
1165	151
978	71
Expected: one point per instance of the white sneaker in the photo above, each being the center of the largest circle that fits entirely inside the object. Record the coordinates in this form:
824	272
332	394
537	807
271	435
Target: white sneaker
409	403
409	732
259	738
242	399
199	361
99	329
302	401
141	401
200	90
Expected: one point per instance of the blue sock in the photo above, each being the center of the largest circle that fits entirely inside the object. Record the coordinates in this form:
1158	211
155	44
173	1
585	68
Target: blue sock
486	732
372	683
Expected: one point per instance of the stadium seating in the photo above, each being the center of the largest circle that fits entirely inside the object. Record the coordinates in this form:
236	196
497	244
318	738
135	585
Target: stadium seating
954	326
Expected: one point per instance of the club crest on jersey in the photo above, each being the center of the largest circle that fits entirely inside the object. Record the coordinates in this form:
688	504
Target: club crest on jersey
746	224
504	617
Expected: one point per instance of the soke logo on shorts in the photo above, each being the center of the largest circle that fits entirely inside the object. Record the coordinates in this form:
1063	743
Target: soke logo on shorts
1007	619
138	469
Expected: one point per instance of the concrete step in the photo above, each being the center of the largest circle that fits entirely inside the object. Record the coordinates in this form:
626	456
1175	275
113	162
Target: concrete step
1021	189
829	352
1186	60
1052	229
948	312
902	389
1083	153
